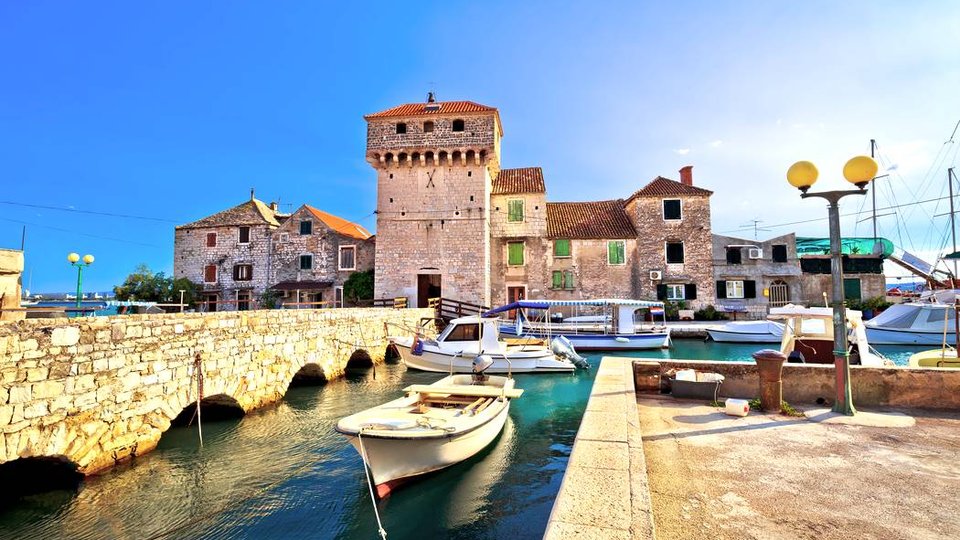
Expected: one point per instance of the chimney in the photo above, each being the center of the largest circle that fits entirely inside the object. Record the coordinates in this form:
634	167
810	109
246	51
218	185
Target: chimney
274	206
686	175
251	194
431	98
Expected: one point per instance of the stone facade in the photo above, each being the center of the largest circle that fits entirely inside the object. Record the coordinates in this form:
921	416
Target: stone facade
433	212
99	390
11	270
755	275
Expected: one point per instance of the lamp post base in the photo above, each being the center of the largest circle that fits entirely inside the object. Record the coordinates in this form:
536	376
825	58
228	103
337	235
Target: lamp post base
844	403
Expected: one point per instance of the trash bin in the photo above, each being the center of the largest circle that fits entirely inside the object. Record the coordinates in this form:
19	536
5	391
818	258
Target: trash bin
770	366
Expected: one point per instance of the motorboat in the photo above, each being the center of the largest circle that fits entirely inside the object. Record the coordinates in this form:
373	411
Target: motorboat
431	427
913	323
946	356
808	331
603	324
747	332
466	337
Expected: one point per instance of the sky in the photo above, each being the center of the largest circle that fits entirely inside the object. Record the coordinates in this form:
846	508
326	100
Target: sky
120	120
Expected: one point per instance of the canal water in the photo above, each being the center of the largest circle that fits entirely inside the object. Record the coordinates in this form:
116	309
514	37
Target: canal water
283	472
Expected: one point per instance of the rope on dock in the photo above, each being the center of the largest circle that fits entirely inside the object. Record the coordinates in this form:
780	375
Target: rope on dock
368	473
198	375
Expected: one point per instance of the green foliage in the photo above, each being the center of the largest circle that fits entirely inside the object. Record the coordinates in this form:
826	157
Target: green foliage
359	286
672	309
877	303
785	408
269	299
709	313
145	286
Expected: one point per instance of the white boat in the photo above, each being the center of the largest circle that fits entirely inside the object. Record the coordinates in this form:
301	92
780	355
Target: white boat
464	338
747	332
809	332
946	356
913	323
613	324
433	426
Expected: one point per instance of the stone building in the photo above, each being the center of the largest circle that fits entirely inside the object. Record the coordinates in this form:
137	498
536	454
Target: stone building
11	270
753	276
314	253
451	222
239	253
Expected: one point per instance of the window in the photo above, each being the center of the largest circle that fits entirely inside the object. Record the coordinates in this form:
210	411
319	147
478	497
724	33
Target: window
464	332
672	210
243	272
210	273
348	258
562	279
515	253
428	127
211	239
515	210
734	255
244	235
306	227
779	253
243	300
735	289
561	248
675	291
306	262
284	238
616	252
674	252
458	125
401	128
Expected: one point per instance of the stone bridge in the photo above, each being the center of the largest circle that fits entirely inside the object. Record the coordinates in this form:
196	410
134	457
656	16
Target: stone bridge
95	391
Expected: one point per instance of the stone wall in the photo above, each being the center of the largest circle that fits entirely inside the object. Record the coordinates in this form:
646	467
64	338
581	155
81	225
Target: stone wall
927	388
532	232
11	269
99	390
814	285
481	131
653	232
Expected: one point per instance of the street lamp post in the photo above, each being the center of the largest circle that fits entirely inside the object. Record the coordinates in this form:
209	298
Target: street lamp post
74	259
858	171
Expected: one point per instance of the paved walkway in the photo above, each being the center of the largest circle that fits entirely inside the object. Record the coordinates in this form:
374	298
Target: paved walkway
771	476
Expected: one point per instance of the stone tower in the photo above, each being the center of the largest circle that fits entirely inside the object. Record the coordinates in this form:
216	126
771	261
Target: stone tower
435	162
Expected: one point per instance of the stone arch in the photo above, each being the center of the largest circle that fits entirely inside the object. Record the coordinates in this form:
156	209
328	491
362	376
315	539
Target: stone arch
359	359
415	158
391	354
31	475
471	157
389	158
402	157
456	157
443	156
311	374
212	409
429	157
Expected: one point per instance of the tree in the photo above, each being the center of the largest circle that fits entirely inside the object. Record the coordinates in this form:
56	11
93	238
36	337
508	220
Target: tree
145	286
359	286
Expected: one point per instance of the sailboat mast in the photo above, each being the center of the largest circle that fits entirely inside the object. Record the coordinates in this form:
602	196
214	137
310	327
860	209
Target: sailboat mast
873	192
953	224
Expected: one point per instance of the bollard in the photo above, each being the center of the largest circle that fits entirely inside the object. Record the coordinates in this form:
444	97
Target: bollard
770	366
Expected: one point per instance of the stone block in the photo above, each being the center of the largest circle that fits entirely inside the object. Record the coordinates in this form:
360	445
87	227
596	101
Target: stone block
35	409
37	374
6	414
47	389
65	336
20	394
29	345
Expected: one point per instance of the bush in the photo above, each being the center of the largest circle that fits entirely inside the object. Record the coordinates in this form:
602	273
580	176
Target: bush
709	313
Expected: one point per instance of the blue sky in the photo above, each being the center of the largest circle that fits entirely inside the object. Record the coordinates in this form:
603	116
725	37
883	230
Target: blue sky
174	110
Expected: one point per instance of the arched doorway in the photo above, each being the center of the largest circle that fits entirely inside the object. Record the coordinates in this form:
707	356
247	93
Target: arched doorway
779	293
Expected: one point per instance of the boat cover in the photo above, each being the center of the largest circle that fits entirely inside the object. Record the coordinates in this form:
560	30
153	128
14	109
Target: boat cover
914	316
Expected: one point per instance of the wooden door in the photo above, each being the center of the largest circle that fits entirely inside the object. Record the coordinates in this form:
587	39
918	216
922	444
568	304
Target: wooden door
428	286
514	294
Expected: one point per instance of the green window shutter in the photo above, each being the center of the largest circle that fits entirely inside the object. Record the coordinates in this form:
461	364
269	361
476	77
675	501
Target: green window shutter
749	289
721	289
561	248
690	291
557	279
515	210
515	257
661	292
568	280
615	254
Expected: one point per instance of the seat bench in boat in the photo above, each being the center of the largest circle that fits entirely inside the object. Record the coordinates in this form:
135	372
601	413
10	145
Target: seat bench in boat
476	391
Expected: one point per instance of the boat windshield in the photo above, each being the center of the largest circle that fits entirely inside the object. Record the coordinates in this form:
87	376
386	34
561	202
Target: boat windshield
463	332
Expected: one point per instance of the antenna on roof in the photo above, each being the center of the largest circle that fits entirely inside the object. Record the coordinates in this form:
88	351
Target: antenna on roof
251	194
431	98
755	226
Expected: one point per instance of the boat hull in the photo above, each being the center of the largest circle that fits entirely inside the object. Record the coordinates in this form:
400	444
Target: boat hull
392	461
937	358
883	336
443	362
747	332
603	342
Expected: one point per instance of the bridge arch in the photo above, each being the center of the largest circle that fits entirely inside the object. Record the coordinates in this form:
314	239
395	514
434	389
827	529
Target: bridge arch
31	475
212	409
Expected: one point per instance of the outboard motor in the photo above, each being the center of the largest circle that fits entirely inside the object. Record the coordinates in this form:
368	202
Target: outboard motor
796	357
562	347
481	363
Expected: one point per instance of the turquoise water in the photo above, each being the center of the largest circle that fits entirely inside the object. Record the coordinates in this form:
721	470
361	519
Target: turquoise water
283	472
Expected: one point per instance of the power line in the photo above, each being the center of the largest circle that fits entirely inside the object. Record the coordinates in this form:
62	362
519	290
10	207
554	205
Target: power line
91	212
79	233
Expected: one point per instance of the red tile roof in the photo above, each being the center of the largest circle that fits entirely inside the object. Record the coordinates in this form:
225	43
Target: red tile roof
340	225
526	180
589	220
251	212
661	186
444	107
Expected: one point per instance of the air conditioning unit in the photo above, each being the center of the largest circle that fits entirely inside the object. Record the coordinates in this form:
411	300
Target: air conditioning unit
656	275
755	253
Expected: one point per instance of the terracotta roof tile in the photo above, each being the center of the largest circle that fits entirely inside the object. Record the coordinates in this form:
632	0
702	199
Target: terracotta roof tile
526	180
340	225
441	107
251	212
661	186
589	220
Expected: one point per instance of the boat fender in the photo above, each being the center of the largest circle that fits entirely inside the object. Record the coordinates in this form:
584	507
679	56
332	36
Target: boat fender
416	348
621	339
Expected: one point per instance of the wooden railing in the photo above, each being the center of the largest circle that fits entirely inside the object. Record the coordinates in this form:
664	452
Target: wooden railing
448	308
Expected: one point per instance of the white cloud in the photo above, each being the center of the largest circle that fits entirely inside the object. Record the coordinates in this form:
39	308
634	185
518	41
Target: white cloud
681	151
716	143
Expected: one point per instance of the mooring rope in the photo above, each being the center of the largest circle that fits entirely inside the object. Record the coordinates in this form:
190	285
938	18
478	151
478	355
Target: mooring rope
367	472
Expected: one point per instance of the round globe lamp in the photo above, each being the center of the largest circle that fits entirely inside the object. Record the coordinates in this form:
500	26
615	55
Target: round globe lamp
802	175
860	171
73	257
88	259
